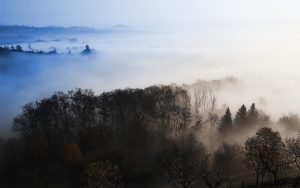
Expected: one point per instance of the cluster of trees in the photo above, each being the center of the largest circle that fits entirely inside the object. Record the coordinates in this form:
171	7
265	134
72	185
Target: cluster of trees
139	137
243	120
6	50
266	153
59	135
264	156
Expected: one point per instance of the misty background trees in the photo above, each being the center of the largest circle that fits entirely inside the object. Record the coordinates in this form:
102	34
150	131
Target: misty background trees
160	136
13	50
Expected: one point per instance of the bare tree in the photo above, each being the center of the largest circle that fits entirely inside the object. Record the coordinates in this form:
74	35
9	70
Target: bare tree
204	103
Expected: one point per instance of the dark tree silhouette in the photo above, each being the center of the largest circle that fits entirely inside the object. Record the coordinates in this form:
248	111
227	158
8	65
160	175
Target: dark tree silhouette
102	175
226	125
184	166
293	151
227	160
252	157
87	50
213	178
19	48
118	124
240	120
141	132
290	122
265	152
252	115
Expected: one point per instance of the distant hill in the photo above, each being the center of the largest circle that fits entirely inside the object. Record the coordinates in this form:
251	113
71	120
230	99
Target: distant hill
11	34
15	29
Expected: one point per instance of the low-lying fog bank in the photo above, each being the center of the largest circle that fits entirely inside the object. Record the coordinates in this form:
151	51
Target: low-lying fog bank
265	72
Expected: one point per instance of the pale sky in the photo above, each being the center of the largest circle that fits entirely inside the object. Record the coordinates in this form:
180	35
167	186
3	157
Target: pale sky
148	12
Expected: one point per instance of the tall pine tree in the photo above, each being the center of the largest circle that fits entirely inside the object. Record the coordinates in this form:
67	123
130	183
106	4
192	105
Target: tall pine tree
226	125
240	120
252	115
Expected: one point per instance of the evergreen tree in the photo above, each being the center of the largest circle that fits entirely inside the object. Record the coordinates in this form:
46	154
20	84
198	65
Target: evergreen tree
226	123
19	48
252	115
241	117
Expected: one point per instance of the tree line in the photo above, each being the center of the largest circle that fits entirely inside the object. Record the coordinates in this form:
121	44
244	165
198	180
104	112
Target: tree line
140	137
6	50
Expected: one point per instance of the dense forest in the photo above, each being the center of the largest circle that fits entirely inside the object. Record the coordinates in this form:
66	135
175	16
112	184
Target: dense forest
160	136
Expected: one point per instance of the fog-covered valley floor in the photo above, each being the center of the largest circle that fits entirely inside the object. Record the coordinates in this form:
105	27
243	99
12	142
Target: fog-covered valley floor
264	63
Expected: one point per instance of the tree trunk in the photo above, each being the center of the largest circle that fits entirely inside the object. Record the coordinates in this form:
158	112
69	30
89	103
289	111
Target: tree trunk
275	178
257	178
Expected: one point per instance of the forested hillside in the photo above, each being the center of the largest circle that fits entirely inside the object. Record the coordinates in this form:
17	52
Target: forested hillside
160	136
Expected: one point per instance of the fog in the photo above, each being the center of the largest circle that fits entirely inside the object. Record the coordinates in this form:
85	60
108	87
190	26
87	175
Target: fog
263	60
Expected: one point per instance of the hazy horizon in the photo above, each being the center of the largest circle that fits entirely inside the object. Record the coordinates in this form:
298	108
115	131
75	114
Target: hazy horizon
142	58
